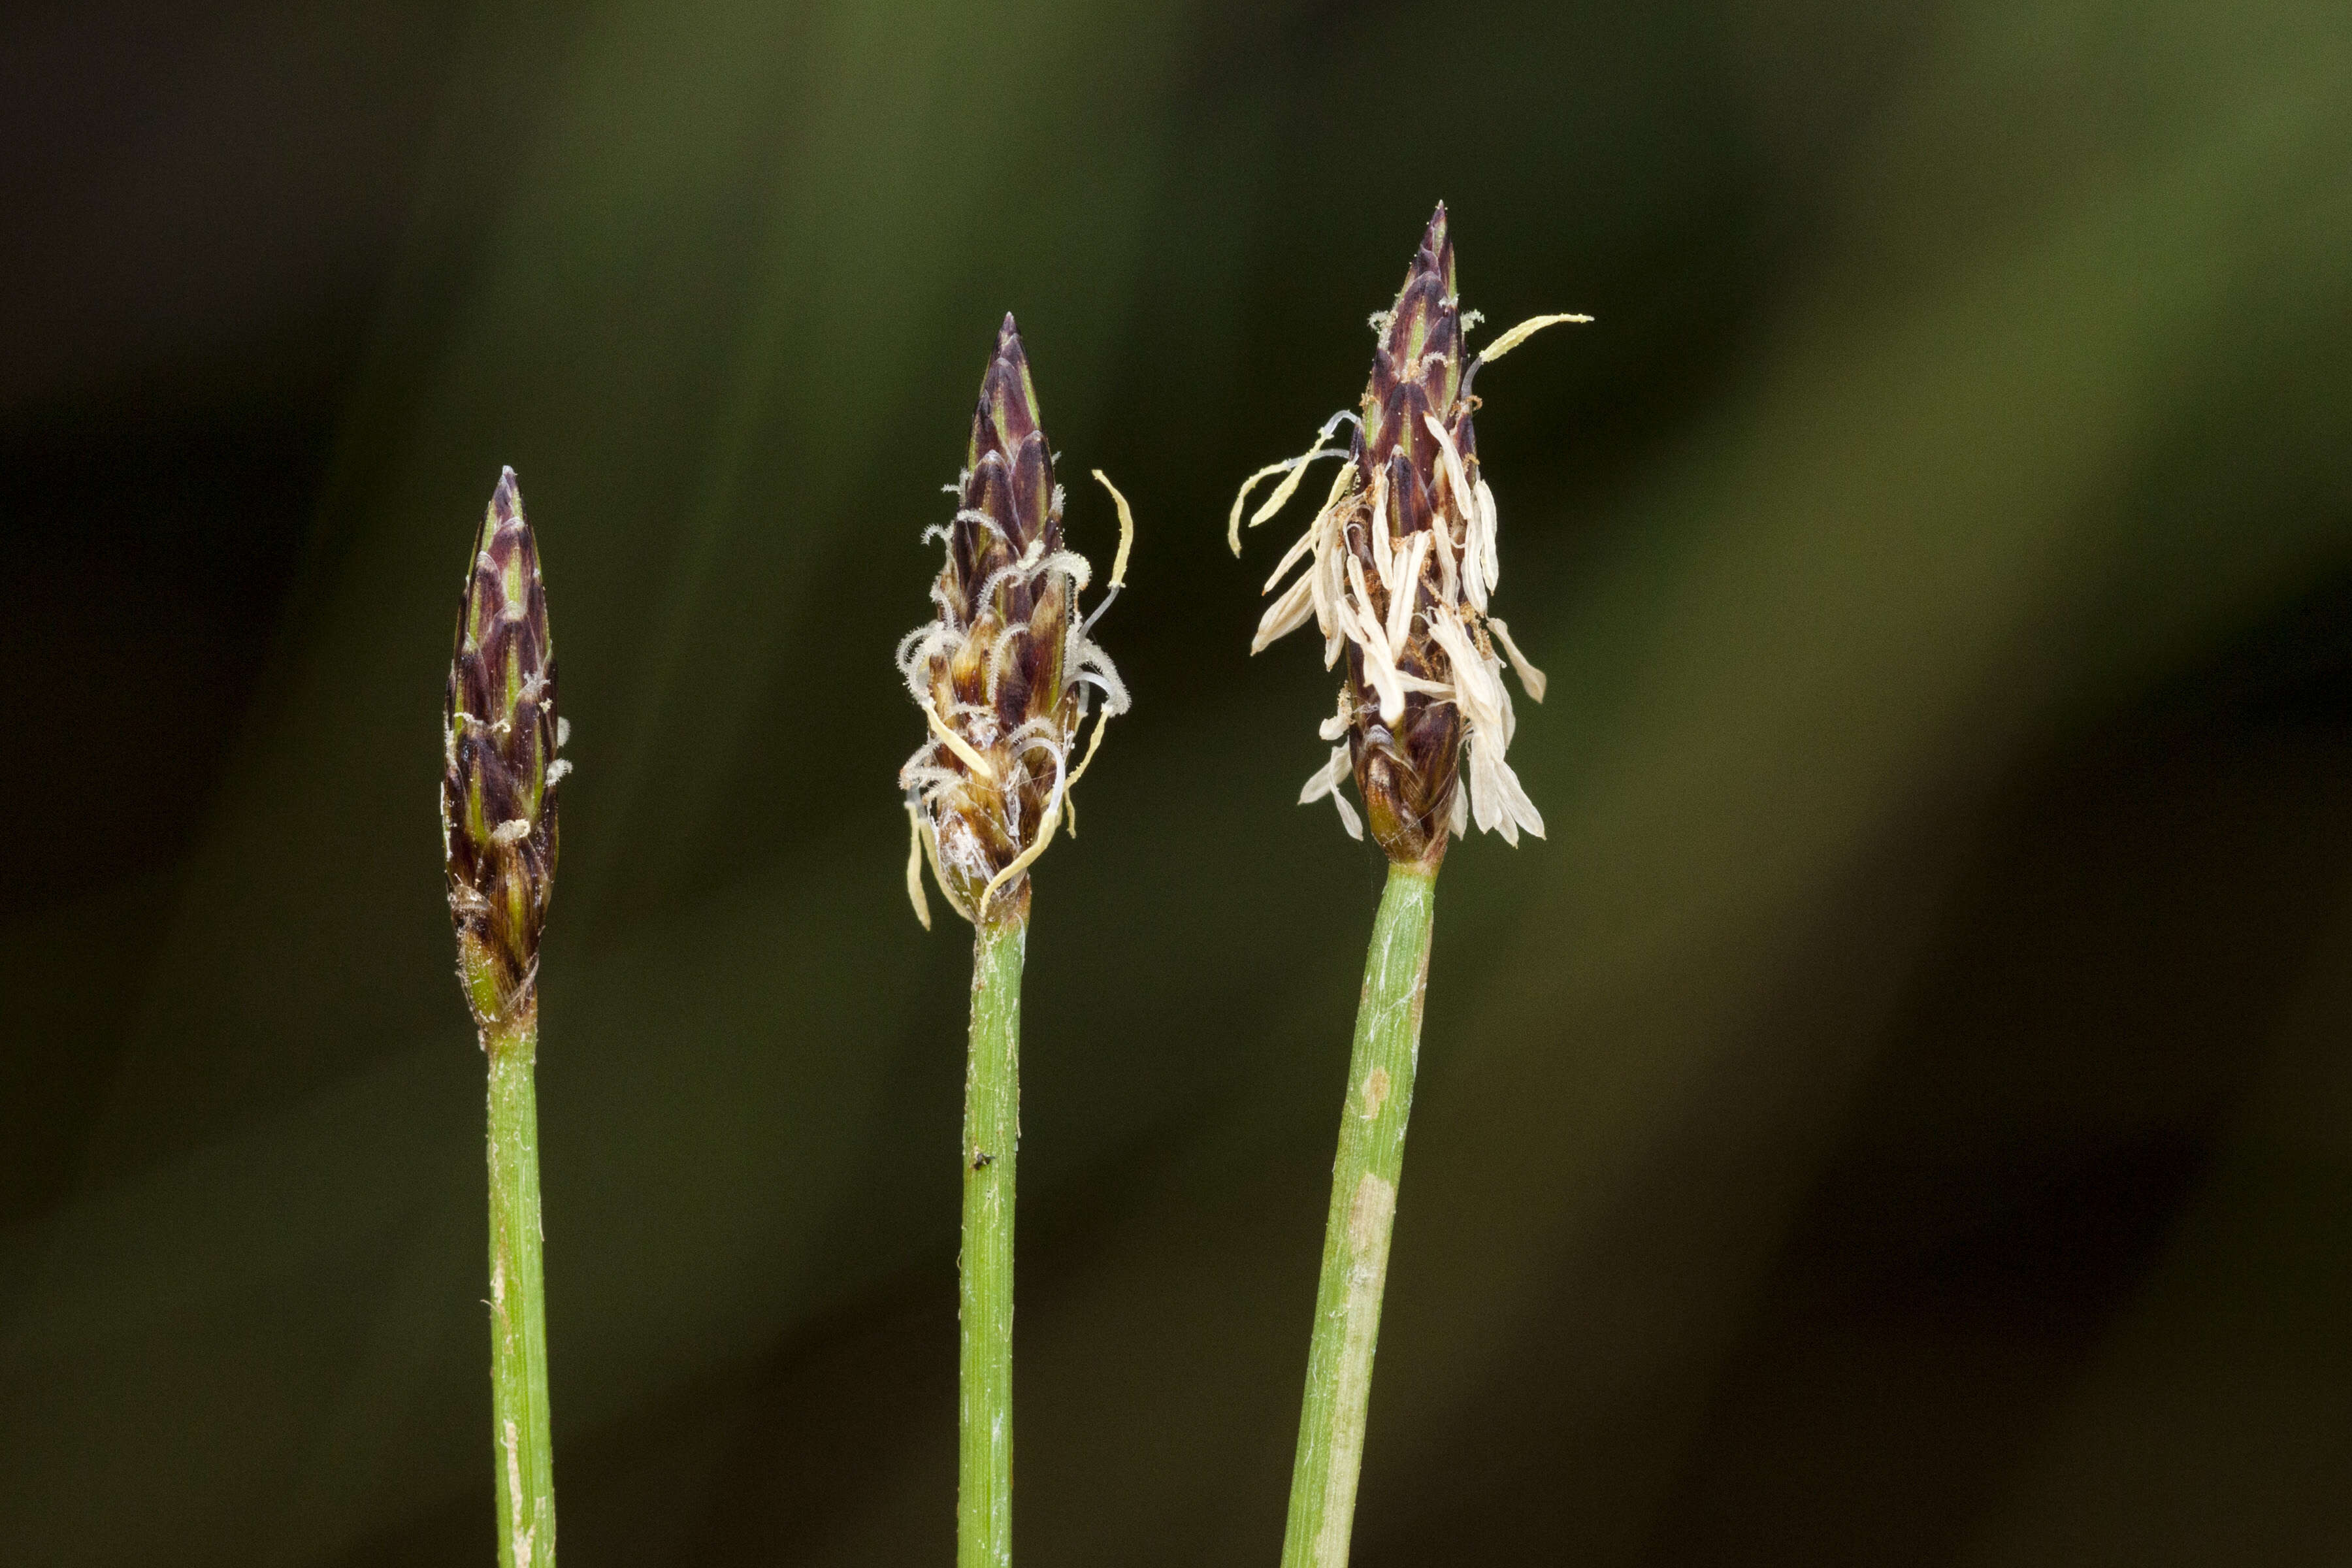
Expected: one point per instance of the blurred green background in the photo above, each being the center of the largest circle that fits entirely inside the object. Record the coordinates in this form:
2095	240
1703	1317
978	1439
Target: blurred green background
1902	1114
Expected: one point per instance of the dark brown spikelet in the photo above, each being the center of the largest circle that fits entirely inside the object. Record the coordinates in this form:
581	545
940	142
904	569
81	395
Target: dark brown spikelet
501	770
1006	673
1405	769
1402	563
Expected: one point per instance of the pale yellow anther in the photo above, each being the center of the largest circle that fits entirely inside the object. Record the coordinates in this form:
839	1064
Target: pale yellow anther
1525	331
1045	831
1094	744
1240	499
1126	530
957	744
932	858
914	866
1294	469
1289	486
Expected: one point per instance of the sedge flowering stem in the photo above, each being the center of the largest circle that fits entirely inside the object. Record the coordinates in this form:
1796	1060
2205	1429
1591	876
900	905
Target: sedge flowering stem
1005	676
524	1449
992	1136
1364	1179
500	783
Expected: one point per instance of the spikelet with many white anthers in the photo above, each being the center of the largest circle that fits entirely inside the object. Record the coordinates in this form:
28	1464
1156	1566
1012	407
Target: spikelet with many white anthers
1401	564
1007	674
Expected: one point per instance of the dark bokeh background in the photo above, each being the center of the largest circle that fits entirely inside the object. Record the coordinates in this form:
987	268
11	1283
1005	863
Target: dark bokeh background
1902	1114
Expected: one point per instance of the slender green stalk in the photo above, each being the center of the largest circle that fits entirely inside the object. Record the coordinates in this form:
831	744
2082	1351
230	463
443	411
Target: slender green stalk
525	1451
1006	670
992	1137
1400	566
499	783
1356	1237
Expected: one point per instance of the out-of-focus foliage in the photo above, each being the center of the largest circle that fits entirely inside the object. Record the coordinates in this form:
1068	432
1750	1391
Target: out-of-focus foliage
1902	1114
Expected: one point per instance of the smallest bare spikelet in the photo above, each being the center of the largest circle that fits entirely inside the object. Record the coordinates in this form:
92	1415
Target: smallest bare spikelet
501	735
1401	561
1007	674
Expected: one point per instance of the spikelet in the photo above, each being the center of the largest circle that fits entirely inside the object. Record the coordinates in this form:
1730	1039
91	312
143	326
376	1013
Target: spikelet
1007	674
500	768
1400	567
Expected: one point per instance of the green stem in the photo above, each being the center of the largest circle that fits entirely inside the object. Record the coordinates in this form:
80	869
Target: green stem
1356	1237
524	1452
991	1135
